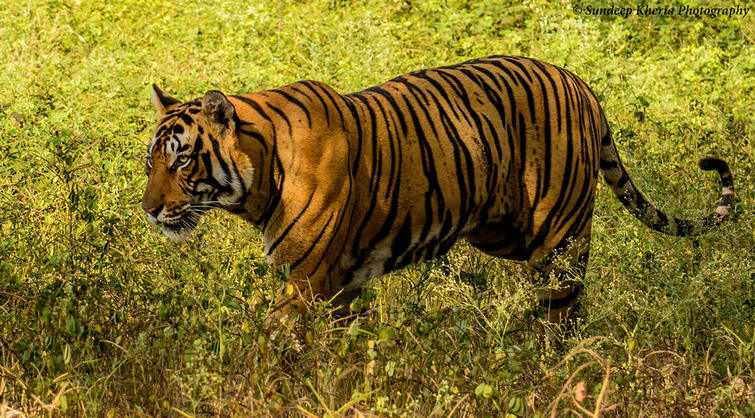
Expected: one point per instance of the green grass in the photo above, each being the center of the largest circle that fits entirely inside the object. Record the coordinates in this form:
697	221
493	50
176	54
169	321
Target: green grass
100	315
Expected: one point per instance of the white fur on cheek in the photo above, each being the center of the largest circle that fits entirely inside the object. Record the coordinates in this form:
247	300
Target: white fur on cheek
181	235
238	181
151	219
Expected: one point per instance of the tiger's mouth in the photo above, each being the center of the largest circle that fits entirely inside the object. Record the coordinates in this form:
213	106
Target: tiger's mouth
178	231
179	226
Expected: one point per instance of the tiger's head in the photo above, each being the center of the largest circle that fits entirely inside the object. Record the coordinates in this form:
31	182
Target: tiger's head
193	162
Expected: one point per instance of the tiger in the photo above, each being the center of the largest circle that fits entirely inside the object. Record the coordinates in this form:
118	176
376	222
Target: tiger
502	151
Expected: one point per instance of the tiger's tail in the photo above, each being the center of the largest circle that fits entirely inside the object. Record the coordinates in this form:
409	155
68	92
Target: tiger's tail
616	176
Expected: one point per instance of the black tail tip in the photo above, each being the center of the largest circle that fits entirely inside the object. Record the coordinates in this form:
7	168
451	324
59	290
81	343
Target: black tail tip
714	164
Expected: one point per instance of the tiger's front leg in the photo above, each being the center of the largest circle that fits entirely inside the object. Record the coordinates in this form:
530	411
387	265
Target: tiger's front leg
310	228
315	274
296	299
289	310
294	302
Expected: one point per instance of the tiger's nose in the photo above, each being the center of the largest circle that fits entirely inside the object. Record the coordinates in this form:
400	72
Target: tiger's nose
153	211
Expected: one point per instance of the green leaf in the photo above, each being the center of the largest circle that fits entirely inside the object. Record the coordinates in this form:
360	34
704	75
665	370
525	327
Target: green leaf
484	390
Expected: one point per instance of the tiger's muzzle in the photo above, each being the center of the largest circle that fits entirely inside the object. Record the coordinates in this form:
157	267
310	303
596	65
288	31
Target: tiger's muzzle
177	223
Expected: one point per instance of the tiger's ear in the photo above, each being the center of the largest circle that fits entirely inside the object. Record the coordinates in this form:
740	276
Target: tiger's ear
218	109
161	100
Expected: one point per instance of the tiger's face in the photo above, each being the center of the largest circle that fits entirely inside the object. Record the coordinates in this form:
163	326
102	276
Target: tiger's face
190	163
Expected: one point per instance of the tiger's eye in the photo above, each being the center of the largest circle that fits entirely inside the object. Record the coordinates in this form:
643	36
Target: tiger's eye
181	161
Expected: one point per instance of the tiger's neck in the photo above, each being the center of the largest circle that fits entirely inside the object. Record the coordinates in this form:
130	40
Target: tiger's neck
262	194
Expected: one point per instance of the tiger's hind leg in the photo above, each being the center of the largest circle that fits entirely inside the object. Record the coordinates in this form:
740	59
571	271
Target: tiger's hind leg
559	279
559	289
558	272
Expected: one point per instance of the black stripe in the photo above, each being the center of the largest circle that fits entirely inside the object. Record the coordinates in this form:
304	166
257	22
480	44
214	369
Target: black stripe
283	116
254	105
336	105
400	244
255	135
517	62
319	97
358	137
555	95
608	164
373	140
286	231
297	102
564	301
312	246
185	118
390	128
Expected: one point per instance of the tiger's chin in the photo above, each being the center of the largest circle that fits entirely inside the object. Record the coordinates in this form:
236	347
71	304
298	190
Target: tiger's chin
177	232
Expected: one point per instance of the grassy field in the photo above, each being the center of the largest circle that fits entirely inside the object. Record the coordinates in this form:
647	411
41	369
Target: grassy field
101	316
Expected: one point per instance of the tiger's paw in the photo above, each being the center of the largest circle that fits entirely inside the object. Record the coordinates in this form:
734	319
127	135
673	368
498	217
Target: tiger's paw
284	328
